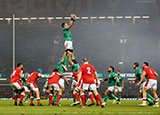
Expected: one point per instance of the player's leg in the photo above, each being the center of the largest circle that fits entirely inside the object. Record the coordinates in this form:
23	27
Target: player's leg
83	89
91	96
107	92
76	95
144	97
32	98
50	97
116	94
54	100
154	89
119	94
59	97
15	94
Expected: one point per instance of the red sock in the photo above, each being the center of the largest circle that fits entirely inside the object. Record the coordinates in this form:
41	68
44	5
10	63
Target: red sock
91	97
21	97
15	98
50	98
76	96
99	98
58	97
97	102
31	100
38	100
83	98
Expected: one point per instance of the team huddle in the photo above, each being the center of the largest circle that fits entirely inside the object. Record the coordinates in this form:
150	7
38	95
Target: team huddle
85	80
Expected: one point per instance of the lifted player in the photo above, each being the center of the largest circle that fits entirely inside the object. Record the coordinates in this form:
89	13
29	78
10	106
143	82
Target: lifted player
33	87
68	37
120	85
138	74
88	74
17	74
151	83
112	78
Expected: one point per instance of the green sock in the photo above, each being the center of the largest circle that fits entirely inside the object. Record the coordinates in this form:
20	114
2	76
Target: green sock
65	60
55	97
114	97
119	97
74	99
25	99
149	96
106	98
148	100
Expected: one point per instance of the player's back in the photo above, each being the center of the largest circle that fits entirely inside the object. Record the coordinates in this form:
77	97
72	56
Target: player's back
87	73
149	73
54	79
33	77
15	75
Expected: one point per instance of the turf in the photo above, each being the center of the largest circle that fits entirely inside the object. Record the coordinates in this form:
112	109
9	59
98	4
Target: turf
125	108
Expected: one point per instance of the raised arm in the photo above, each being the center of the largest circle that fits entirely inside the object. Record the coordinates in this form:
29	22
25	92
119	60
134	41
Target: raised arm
63	57
156	74
142	78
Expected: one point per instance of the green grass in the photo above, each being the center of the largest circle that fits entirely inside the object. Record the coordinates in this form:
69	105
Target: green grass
125	108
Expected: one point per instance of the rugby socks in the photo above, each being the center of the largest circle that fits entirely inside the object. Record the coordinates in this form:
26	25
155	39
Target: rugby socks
50	98
148	99
15	98
98	97
59	97
144	100
31	99
38	100
91	97
83	98
22	96
119	97
156	101
106	98
76	96
149	96
114	97
55	98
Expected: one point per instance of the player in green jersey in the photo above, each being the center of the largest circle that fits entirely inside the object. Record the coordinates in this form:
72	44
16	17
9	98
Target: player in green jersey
27	91
112	78
138	74
68	37
120	84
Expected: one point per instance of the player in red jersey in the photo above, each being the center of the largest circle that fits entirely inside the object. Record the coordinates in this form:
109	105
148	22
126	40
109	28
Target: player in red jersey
88	74
33	87
53	84
151	83
17	74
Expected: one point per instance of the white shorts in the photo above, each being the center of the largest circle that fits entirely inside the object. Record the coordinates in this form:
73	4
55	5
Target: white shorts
111	88
26	89
16	85
151	84
89	87
142	85
32	87
99	83
119	89
61	83
54	87
68	44
74	82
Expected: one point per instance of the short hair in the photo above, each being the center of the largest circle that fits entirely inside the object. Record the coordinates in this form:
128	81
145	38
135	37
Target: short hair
119	70
146	63
85	59
112	68
19	64
136	64
55	70
75	61
63	24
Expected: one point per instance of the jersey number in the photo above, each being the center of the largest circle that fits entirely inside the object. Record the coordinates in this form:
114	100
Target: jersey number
89	70
13	74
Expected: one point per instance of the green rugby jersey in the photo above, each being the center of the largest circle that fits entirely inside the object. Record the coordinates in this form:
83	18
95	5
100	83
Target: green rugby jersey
67	34
138	74
111	80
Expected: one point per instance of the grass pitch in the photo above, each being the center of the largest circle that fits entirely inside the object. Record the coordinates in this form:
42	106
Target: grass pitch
126	107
